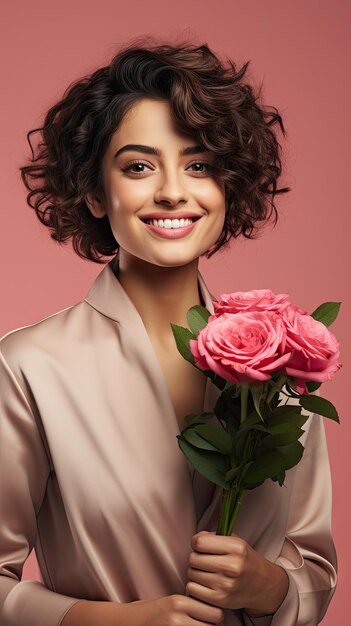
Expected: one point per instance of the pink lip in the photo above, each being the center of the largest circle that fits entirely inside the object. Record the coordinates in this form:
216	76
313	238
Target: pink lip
172	233
175	215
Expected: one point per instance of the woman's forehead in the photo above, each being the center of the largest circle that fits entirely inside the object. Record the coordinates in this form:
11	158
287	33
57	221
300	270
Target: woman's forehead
151	123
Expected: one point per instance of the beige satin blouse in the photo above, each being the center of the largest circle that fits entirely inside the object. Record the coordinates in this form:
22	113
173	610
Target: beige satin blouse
91	475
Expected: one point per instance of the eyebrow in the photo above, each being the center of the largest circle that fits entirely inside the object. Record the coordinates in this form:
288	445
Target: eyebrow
150	150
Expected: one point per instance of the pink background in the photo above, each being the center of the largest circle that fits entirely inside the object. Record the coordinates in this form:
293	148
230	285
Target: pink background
302	53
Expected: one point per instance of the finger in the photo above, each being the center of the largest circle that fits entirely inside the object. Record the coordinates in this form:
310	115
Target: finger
206	562
228	565
203	593
211	580
204	612
216	544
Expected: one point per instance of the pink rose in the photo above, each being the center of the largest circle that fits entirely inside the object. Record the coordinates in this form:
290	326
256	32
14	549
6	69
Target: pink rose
314	349
255	300
242	348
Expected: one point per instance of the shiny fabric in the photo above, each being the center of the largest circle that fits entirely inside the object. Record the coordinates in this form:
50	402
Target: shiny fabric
91	475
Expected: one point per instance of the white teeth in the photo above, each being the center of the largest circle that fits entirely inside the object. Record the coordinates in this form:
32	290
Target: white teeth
168	223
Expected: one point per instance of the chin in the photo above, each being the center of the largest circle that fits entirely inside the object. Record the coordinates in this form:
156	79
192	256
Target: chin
174	261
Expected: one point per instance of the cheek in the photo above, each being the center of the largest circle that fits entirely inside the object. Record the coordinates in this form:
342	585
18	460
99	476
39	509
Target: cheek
213	198
123	194
219	209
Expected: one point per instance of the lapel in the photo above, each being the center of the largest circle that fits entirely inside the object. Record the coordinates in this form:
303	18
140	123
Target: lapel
107	296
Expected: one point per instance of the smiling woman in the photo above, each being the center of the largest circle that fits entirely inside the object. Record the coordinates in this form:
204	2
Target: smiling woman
157	159
210	104
168	181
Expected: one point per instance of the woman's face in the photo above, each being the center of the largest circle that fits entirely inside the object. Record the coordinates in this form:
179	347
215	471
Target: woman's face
139	183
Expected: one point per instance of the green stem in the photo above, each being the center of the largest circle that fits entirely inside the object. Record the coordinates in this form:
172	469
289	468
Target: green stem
230	506
221	519
232	497
226	512
238	503
276	388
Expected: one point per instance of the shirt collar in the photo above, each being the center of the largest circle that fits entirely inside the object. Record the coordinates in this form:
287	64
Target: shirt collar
107	295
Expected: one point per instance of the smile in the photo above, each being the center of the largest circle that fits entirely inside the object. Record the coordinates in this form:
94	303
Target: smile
171	222
171	229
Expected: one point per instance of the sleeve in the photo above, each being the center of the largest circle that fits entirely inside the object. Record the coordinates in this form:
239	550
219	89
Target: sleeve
308	554
24	472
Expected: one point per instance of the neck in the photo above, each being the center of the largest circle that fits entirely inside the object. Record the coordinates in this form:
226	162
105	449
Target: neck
161	295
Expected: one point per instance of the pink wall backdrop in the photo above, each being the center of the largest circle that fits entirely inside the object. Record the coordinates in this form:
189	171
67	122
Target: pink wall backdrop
302	53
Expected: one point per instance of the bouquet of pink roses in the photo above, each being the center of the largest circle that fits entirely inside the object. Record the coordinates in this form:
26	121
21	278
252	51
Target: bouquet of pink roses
260	351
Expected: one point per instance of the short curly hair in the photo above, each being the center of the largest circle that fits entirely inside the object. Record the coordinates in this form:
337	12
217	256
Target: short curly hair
208	99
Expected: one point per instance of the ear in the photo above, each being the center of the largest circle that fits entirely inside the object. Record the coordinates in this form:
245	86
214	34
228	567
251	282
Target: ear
95	205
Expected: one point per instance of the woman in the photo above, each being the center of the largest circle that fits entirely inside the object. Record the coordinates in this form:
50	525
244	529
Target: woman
94	395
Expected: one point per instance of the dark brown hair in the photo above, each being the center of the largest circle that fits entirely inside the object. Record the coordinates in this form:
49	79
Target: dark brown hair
208	99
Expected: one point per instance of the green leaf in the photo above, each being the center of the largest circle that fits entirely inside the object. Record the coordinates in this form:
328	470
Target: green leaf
285	429
239	471
232	473
326	312
256	390
287	413
182	337
290	387
215	435
232	427
227	407
194	438
260	427
319	405
211	465
251	420
279	478
244	443
274	462
197	318
282	435
198	418
240	444
311	386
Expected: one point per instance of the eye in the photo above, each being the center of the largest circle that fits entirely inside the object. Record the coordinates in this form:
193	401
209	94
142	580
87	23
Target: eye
202	163
134	164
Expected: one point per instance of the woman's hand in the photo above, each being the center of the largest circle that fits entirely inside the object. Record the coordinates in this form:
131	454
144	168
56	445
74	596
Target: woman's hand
164	611
226	572
168	611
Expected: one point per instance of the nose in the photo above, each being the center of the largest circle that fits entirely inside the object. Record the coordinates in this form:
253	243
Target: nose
171	191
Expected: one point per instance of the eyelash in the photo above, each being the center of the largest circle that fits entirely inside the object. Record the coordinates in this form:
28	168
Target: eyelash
128	168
